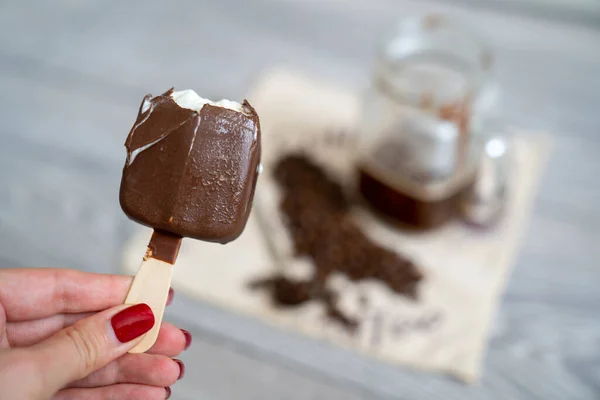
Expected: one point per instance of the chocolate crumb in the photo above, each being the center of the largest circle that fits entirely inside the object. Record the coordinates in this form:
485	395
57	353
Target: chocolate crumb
289	293
286	292
333	312
316	213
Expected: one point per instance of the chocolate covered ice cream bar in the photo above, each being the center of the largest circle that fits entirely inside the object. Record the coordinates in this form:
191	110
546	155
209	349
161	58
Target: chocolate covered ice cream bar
191	171
192	166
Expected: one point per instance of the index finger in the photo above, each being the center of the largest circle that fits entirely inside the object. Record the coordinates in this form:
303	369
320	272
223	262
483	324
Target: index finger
34	293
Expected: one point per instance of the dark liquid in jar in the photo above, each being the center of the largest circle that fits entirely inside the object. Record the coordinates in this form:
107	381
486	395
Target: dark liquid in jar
407	209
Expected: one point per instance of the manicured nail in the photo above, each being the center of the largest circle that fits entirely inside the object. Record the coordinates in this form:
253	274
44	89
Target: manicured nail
132	322
181	368
170	296
188	339
168	389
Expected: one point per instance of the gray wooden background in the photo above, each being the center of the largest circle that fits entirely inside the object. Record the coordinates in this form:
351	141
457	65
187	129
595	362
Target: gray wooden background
72	74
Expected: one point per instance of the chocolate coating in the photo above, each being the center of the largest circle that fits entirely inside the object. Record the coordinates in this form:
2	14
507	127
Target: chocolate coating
163	246
191	173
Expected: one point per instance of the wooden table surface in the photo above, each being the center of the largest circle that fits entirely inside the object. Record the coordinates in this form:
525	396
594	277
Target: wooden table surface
73	73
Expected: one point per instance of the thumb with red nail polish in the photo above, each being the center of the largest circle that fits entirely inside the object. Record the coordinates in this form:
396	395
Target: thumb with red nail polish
91	343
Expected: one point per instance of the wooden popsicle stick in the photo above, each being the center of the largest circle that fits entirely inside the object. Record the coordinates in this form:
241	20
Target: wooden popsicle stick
152	282
151	286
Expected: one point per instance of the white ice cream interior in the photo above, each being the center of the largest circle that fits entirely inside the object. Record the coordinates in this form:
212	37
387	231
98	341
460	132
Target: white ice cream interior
192	101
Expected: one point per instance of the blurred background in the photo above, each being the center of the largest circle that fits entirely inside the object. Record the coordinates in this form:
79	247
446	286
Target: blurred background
72	75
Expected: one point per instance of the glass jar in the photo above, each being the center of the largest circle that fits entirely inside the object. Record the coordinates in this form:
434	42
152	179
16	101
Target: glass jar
424	120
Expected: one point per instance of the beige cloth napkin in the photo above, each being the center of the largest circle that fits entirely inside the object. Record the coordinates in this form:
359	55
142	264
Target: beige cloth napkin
465	270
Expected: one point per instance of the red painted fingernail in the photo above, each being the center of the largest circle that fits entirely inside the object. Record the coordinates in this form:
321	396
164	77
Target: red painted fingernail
168	389
188	339
132	322
181	368
170	296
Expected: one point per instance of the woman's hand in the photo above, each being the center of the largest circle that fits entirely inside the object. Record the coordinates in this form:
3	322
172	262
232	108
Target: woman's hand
65	334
